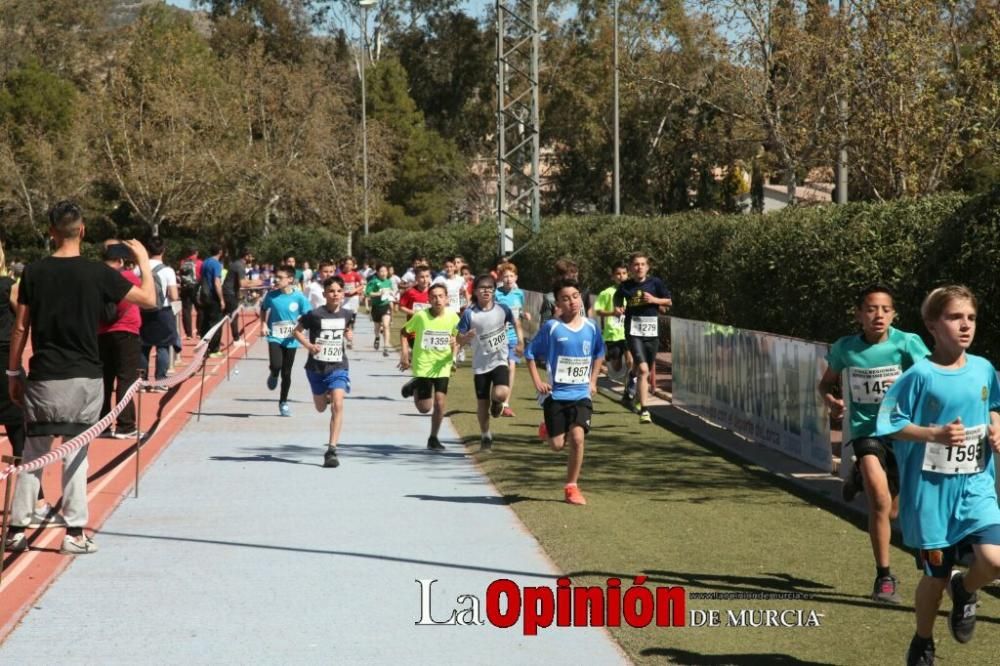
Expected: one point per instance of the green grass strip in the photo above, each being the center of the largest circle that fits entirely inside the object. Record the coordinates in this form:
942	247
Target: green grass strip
683	515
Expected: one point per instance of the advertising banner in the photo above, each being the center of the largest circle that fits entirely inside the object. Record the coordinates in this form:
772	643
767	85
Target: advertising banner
759	385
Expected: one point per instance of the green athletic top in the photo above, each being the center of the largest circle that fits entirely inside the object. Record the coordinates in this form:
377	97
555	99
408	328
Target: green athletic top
432	356
614	326
871	370
380	291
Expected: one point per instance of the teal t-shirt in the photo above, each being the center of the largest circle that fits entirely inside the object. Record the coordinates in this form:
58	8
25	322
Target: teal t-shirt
870	370
283	312
946	492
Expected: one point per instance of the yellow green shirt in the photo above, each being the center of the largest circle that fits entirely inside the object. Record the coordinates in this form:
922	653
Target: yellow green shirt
432	355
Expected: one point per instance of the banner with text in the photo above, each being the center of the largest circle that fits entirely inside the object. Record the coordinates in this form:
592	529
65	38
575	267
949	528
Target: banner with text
759	385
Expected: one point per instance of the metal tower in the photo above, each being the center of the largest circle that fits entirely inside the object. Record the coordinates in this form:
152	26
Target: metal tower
518	177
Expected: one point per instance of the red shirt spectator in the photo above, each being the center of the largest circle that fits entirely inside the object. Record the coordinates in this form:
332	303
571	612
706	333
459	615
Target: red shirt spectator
129	319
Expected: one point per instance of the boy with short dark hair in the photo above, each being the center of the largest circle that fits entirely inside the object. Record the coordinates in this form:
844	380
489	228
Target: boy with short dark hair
573	351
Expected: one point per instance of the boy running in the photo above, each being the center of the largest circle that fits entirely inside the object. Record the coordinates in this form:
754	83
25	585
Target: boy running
380	290
484	324
455	284
612	324
573	351
329	327
280	311
640	298
433	331
509	294
872	361
944	413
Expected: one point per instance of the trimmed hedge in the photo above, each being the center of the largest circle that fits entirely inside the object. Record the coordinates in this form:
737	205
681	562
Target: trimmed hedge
795	272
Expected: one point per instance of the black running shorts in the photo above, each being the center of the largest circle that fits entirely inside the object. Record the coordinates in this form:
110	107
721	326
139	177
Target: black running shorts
499	376
643	350
425	387
881	449
560	415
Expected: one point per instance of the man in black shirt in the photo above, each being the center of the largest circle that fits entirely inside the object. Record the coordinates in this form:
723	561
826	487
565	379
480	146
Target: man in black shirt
60	302
236	278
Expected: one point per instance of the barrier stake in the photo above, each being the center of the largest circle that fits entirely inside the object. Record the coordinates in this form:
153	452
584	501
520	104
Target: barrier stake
7	492
201	390
229	348
138	435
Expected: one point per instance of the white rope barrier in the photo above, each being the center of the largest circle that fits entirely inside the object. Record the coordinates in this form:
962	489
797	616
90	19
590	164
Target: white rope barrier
92	433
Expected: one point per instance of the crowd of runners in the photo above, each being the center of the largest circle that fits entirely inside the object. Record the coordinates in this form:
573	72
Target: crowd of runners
922	426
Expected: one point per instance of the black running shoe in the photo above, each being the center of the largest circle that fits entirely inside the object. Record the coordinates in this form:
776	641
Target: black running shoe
407	390
921	652
496	408
434	445
962	619
486	443
330	457
852	484
884	590
376	343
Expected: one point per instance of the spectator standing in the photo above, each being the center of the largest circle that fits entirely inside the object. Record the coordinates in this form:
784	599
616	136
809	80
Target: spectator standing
118	345
188	276
159	325
60	301
235	280
211	301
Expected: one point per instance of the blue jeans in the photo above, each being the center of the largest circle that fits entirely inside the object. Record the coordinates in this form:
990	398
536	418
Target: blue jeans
162	360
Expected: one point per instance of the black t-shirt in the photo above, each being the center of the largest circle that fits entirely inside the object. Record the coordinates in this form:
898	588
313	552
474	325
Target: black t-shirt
6	314
327	329
231	285
66	296
629	294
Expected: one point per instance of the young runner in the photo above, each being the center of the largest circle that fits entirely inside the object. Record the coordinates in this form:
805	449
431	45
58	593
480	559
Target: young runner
944	413
434	332
329	327
379	290
640	298
455	284
573	352
872	361
314	290
509	294
354	285
280	311
484	324
613	325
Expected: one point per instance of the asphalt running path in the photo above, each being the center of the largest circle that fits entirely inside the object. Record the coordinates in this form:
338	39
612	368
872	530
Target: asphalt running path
243	549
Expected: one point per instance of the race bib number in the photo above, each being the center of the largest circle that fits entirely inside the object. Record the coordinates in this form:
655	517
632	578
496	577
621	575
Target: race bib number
573	370
282	329
868	385
385	294
644	327
494	341
453	302
417	307
618	321
966	458
331	346
436	340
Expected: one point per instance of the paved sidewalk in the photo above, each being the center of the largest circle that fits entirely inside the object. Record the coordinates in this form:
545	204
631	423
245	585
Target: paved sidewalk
243	549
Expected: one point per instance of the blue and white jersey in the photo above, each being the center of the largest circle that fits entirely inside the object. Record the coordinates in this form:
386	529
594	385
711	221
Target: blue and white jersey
283	312
569	355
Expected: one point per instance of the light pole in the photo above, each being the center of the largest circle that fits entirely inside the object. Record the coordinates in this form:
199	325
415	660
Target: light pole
617	166
364	4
